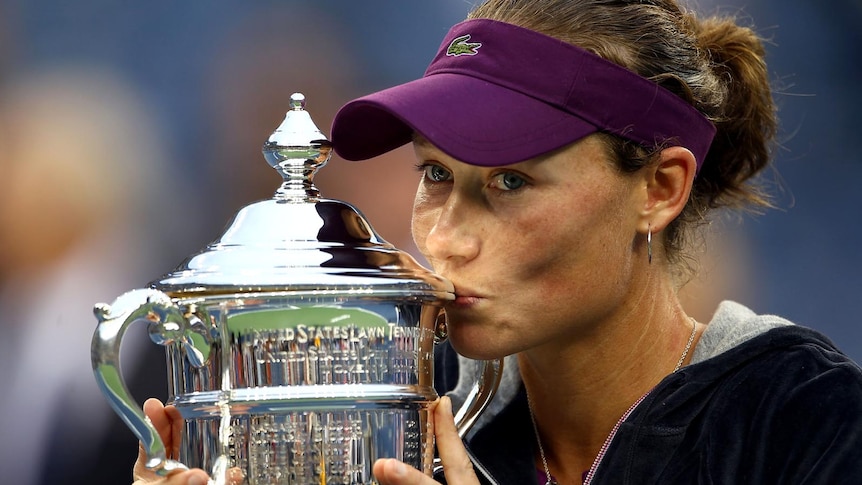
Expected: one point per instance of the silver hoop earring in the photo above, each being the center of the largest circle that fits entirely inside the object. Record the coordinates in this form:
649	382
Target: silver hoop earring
649	244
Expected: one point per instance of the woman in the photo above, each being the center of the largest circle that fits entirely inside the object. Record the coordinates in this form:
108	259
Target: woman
568	149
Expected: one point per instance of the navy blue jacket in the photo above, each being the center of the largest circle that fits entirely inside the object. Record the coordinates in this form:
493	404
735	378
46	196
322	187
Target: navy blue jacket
784	407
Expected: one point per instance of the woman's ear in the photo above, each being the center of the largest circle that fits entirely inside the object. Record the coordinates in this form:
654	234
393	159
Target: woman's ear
668	185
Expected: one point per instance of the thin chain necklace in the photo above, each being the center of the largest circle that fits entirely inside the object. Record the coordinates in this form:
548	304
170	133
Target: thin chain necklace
687	345
550	480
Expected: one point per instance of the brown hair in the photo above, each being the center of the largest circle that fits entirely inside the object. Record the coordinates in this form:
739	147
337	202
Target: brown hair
713	63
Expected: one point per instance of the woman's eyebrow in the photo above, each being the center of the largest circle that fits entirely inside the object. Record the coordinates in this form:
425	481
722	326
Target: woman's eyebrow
420	140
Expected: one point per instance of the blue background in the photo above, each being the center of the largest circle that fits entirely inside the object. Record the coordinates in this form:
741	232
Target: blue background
211	80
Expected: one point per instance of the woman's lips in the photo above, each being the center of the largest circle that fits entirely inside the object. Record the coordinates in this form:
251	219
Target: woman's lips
465	298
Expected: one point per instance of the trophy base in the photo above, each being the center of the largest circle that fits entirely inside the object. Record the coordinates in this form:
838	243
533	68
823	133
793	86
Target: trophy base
322	440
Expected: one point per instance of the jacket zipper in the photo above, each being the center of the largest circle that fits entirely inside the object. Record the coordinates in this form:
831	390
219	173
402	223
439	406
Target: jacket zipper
610	438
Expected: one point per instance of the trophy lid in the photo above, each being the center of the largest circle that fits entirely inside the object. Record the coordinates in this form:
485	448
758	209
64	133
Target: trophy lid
299	242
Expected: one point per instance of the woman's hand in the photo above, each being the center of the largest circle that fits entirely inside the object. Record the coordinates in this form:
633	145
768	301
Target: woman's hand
456	464
169	424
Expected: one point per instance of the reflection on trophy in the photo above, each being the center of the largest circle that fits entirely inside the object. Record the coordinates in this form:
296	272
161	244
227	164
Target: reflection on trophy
299	344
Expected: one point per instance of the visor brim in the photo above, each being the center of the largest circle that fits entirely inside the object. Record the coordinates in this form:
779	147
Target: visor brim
469	119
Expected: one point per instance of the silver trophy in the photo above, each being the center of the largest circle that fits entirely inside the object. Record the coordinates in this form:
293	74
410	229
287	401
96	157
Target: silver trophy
299	344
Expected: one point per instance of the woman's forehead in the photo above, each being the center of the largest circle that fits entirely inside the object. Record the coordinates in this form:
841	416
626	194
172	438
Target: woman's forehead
585	146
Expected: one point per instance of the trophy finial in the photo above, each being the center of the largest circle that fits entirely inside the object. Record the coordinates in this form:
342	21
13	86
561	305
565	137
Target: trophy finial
297	101
297	149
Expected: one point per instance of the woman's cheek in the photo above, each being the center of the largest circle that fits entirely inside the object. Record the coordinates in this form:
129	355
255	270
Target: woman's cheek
420	225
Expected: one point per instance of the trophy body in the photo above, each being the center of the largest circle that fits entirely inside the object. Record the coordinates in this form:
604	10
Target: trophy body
300	387
299	344
304	389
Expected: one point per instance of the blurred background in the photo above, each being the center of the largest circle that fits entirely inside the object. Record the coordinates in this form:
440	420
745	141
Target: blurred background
130	133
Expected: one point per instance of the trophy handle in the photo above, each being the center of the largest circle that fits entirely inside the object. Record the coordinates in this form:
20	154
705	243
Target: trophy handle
483	389
160	312
478	398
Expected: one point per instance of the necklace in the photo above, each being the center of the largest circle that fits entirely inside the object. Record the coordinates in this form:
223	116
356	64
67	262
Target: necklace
550	480
687	345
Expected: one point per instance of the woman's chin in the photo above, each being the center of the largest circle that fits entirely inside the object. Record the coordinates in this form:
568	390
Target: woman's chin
476	347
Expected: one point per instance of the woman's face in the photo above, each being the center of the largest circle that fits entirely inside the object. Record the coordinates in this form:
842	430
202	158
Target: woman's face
540	252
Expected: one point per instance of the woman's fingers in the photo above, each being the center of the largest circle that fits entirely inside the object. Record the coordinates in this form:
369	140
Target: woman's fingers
168	422
389	471
155	410
176	439
186	477
456	464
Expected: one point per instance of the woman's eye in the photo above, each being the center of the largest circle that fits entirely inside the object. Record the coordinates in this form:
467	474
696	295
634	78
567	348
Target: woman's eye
508	181
436	173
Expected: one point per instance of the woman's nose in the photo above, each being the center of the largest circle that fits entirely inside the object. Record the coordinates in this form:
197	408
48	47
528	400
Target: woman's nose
454	234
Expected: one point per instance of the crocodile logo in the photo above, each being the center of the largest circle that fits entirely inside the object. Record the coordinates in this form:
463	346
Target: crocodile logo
460	47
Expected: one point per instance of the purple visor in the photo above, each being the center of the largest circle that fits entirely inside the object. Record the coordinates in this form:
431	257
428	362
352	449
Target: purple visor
498	94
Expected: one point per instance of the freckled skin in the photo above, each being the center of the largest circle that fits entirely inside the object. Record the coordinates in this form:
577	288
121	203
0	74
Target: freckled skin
550	260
